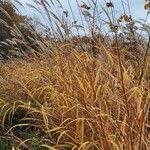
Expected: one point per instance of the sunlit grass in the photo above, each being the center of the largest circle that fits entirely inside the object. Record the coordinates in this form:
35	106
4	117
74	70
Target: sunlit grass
75	104
79	92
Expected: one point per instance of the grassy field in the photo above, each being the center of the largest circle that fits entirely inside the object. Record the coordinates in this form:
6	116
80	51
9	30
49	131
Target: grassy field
85	93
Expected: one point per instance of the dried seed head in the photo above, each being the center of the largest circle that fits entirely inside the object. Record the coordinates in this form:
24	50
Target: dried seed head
109	4
85	6
113	28
125	18
147	6
86	14
65	13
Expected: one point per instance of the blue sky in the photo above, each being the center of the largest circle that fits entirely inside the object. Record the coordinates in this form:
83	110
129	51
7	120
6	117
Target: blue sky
136	6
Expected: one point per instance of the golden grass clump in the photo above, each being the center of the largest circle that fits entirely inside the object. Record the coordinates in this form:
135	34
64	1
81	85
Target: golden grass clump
80	82
76	100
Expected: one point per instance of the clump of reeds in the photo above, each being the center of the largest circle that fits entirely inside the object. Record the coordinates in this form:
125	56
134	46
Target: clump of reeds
90	92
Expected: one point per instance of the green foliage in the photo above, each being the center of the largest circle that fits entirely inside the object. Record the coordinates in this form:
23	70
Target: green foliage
4	143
